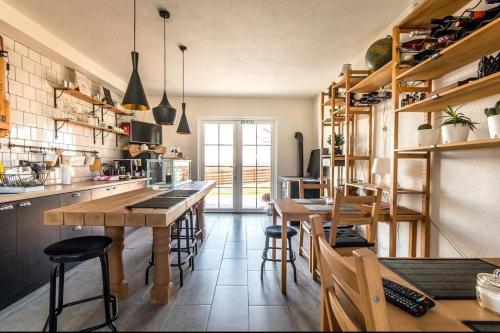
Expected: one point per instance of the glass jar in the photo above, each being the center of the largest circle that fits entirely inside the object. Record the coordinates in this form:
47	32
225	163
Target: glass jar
488	291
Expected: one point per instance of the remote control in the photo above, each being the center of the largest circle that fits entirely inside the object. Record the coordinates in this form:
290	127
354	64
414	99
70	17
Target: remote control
412	295
404	303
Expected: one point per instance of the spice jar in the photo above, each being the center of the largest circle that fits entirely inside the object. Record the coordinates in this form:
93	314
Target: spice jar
488	291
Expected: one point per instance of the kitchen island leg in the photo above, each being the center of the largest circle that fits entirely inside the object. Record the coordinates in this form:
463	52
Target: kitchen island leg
118	284
161	245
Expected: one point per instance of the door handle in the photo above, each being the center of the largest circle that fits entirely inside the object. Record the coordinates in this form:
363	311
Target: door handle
25	204
76	195
6	207
77	228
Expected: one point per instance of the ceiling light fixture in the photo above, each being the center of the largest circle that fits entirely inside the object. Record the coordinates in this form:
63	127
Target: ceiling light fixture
164	113
183	124
135	98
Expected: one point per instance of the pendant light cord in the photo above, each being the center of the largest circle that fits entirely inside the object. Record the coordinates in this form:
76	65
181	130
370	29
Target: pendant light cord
134	23
182	76
164	56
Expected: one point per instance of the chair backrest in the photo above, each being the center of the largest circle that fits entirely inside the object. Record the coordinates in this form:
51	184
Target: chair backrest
361	202
352	294
322	187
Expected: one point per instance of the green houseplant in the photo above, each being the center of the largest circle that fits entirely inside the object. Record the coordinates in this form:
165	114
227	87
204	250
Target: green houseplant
339	142
456	126
493	115
427	136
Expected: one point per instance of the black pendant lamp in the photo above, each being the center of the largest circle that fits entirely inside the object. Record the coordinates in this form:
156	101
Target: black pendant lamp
183	124
164	113
135	98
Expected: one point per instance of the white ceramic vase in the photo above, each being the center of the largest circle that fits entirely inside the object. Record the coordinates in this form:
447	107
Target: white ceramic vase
494	126
427	137
455	133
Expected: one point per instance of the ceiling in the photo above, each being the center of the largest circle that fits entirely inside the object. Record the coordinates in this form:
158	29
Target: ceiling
235	47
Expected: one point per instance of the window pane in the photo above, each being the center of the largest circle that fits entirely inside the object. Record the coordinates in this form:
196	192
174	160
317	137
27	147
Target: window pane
211	173
249	155
248	132
225	198
249	198
211	156
264	155
226	155
263	176
264	134
212	199
225	177
249	177
211	133
226	134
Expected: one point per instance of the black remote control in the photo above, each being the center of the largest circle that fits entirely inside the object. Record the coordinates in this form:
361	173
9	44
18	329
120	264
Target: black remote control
411	294
404	303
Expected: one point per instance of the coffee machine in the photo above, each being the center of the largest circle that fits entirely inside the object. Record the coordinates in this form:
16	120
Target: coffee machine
128	167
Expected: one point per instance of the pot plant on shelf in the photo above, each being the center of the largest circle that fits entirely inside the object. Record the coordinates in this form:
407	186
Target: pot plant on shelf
456	126
427	136
493	115
339	142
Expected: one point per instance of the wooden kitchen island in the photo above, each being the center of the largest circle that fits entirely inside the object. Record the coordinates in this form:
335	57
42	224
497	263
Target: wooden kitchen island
112	213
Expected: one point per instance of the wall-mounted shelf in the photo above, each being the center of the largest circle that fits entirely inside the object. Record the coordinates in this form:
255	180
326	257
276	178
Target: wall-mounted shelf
97	130
338	101
385	188
427	9
356	77
480	42
484	87
58	91
377	79
476	144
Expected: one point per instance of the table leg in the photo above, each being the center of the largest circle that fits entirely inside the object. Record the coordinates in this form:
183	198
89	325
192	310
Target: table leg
275	221
118	284
200	216
161	246
284	226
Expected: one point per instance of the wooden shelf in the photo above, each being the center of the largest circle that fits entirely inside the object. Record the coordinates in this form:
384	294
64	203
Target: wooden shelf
354	110
338	101
353	158
380	78
89	99
353	80
481	42
427	9
82	124
385	188
476	144
474	90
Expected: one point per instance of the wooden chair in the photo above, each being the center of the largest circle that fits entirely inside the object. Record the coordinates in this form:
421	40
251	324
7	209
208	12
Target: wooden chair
305	227
352	295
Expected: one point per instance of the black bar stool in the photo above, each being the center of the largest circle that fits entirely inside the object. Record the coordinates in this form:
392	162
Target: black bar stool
184	230
77	250
274	231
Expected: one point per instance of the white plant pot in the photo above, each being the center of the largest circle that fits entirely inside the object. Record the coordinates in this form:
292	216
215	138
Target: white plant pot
455	133
427	137
494	126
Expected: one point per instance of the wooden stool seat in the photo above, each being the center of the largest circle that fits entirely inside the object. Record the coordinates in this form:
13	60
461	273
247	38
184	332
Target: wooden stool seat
78	249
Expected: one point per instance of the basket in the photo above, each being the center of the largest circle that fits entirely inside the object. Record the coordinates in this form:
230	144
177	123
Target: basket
33	179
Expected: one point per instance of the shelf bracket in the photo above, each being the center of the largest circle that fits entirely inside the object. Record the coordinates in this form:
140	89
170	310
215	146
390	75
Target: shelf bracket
57	96
96	135
104	136
56	128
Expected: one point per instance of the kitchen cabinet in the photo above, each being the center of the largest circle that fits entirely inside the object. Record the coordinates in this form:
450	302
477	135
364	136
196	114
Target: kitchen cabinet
33	266
8	245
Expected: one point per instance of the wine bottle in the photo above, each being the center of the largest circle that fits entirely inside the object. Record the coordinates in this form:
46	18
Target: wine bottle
485	14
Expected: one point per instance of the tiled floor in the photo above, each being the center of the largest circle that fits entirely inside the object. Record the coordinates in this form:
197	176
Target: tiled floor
223	293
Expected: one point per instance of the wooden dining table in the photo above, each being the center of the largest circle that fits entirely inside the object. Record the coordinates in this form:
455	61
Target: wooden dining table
113	213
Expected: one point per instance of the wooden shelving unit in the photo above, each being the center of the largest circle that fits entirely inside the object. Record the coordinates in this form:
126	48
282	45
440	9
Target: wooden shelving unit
97	130
380	78
469	49
481	42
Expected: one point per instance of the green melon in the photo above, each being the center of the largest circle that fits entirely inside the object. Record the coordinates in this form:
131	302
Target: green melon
379	53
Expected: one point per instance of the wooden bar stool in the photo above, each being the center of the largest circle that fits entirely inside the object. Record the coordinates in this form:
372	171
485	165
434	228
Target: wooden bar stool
77	250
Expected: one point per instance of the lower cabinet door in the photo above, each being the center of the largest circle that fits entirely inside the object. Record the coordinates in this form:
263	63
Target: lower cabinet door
33	266
8	244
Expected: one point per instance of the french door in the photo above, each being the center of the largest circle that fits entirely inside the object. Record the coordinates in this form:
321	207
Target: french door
238	155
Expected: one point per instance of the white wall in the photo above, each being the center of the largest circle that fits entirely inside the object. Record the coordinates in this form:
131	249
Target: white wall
291	115
465	185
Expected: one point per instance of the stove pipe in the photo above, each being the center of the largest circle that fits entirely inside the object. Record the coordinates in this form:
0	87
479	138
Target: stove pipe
300	142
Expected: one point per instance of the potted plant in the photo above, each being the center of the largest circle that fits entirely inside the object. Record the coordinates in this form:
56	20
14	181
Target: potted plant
493	115
427	136
456	126
339	142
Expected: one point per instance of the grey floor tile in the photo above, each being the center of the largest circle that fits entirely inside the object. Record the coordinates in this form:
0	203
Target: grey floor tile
199	288
233	272
230	309
191	318
304	307
265	292
235	250
269	319
254	258
208	259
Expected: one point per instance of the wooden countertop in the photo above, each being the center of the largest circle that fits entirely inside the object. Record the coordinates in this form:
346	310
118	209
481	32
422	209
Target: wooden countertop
113	211
60	189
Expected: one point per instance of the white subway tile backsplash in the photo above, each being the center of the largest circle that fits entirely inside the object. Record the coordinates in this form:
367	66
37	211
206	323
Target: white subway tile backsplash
17	118
15	88
35	81
23	132
15	59
20	48
29	92
41	71
42	122
23	104
33	55
36	108
8	42
41	96
29	120
28	65
22	75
